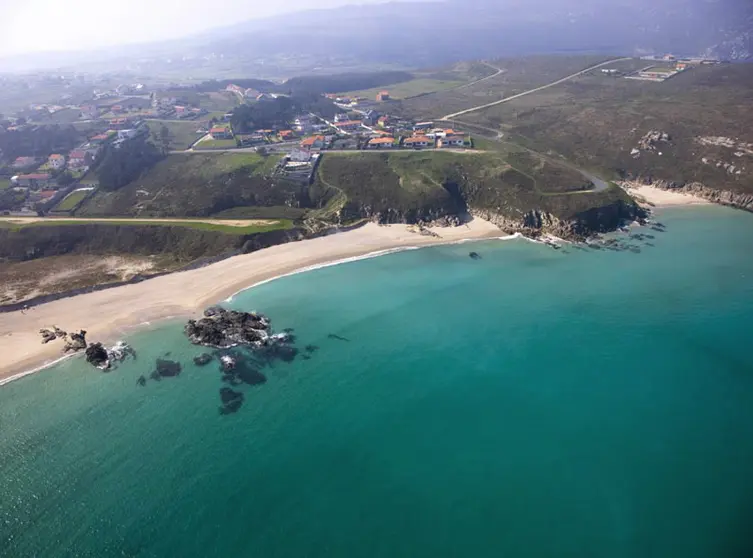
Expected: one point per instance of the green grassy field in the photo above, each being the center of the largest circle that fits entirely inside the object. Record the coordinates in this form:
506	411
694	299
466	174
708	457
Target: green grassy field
409	185
281	224
4	183
410	88
182	134
216	144
71	200
196	185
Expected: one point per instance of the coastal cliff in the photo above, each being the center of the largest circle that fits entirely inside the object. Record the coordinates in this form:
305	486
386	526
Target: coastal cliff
596	220
429	187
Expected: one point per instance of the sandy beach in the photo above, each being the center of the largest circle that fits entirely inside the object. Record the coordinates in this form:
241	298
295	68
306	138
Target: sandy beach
661	198
107	314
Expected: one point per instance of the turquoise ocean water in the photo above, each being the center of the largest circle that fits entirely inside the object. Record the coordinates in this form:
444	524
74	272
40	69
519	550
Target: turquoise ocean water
532	403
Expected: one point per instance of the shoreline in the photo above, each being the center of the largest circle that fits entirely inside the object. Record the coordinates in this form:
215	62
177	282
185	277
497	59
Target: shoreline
657	197
105	314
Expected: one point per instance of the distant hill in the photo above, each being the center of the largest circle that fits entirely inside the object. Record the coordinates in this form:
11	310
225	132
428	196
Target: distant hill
421	33
417	34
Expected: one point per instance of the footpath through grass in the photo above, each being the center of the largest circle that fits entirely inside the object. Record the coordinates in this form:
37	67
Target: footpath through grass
280	224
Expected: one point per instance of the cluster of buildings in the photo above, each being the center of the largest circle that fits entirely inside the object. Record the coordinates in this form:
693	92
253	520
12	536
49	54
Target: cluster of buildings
386	133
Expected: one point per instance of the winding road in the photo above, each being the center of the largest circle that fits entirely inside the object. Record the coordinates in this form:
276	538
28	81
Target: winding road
524	93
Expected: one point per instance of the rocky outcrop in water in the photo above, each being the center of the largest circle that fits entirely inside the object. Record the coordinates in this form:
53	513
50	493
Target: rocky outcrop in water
202	360
104	359
96	355
223	329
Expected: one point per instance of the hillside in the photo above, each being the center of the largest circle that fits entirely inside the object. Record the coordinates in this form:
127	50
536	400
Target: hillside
516	191
198	185
601	123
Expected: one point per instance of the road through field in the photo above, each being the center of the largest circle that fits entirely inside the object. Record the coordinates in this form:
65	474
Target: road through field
524	93
139	221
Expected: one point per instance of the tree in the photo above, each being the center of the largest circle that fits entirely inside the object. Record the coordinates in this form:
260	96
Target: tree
121	166
164	134
64	179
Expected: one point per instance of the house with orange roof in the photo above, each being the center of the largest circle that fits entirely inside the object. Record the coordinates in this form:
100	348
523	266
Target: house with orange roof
381	143
287	135
56	161
348	125
314	142
418	142
383	96
221	133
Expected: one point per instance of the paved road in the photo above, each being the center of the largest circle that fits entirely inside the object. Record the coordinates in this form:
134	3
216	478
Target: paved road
499	72
559	81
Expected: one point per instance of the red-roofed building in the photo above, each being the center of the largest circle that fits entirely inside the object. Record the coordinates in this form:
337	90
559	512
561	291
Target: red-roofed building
78	158
418	142
25	162
119	123
381	143
314	142
383	96
383	121
287	134
47	194
348	125
56	161
221	133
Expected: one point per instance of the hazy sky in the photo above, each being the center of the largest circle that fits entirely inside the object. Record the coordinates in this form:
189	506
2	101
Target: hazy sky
43	25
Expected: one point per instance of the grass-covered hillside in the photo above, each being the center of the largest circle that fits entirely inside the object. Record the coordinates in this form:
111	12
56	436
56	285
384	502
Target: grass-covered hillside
199	185
400	187
596	121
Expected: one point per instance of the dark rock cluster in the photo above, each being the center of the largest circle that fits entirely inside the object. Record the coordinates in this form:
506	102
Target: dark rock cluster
221	329
474	256
96	355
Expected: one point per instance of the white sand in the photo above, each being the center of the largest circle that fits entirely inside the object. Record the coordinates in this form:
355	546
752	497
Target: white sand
659	197
106	314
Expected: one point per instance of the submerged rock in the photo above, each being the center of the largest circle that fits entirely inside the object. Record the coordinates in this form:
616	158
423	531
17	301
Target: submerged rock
231	400
337	337
202	360
141	381
167	368
474	256
96	355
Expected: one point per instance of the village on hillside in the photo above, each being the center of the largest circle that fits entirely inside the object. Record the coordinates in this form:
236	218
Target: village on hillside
54	157
180	120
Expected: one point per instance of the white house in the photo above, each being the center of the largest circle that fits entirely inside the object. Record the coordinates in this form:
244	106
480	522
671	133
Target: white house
127	134
56	161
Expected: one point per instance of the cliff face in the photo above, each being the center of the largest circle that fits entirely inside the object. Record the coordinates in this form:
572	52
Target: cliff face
536	222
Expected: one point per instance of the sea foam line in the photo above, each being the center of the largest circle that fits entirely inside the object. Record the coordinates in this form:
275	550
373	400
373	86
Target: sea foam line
37	369
351	259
